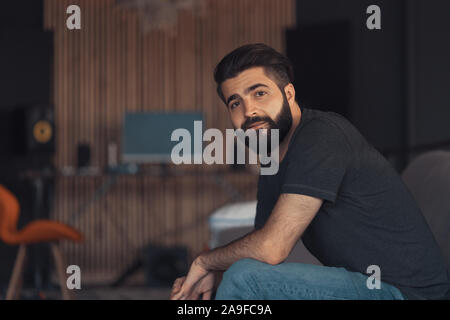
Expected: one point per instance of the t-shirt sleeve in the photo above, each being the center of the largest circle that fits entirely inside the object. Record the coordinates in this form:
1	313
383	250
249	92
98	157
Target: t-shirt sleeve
318	160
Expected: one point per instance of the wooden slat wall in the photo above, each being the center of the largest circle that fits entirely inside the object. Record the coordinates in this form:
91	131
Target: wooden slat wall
112	66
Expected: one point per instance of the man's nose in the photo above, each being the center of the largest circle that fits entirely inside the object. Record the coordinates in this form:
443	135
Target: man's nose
250	109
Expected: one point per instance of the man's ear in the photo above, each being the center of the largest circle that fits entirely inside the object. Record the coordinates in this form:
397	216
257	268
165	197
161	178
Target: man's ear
289	90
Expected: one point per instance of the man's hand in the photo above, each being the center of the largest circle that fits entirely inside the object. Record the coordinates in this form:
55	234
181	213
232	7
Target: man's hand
271	244
199	282
178	283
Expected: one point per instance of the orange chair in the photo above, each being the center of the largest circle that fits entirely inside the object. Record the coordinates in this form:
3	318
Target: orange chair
35	232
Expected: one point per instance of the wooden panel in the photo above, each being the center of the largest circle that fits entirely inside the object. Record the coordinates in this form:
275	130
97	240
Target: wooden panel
112	66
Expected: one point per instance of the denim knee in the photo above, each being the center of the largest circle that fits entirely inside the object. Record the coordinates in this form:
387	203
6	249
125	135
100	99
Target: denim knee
242	266
238	281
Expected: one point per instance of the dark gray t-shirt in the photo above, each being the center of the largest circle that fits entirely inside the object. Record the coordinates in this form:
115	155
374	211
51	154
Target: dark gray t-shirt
368	216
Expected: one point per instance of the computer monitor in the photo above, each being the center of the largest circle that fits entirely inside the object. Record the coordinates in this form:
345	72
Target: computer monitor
147	135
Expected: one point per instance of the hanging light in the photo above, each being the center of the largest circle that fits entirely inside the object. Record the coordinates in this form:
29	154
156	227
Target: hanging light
162	14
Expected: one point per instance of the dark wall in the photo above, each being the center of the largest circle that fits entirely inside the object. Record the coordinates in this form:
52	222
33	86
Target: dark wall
399	75
22	14
430	70
322	67
25	64
377	87
25	55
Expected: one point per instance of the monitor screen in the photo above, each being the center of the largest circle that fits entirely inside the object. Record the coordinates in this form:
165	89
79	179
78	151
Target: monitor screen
147	135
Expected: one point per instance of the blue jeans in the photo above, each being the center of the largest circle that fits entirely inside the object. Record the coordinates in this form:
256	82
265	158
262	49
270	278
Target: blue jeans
249	279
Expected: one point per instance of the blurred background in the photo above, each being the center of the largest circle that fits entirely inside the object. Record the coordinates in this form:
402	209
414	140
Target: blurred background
74	103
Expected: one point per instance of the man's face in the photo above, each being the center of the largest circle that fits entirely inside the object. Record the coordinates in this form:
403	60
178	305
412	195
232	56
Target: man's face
254	101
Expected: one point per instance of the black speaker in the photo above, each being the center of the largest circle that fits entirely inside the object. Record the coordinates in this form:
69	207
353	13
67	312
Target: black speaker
27	130
39	130
163	265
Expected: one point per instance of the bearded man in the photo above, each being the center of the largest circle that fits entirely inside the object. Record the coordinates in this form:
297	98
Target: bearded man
333	191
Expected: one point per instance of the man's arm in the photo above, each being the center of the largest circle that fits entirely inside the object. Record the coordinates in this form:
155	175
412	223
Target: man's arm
271	244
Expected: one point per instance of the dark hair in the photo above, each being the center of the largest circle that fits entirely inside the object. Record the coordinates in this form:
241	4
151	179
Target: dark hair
276	65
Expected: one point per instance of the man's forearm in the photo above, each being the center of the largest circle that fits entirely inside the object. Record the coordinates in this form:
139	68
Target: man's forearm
254	245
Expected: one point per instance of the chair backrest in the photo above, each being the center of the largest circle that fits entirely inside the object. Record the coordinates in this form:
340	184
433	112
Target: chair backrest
9	212
428	179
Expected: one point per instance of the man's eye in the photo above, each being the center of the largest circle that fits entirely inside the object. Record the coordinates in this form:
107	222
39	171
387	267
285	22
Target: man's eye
234	105
260	93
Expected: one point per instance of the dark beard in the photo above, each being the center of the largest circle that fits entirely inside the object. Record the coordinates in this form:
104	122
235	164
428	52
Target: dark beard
282	122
